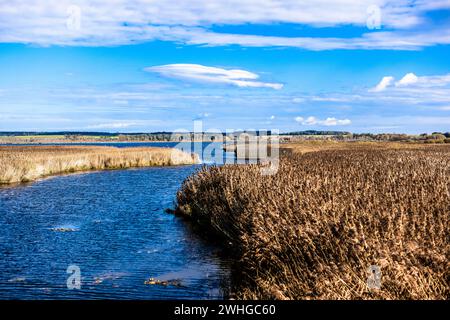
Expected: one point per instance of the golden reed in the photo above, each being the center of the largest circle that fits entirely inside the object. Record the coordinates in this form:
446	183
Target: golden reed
28	163
312	230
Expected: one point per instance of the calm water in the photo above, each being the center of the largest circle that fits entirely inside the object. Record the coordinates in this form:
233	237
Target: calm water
209	153
113	226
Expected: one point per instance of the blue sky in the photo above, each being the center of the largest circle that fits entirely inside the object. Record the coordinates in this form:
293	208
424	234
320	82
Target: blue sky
138	66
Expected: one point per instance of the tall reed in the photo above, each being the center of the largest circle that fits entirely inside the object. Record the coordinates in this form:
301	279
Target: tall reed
28	163
312	230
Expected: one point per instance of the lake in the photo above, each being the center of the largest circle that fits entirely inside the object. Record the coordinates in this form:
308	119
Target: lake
112	225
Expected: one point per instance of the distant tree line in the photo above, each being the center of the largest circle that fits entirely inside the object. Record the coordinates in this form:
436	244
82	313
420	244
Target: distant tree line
317	133
56	133
435	137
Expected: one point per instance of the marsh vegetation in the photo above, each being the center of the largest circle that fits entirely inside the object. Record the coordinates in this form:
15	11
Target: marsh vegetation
28	163
312	230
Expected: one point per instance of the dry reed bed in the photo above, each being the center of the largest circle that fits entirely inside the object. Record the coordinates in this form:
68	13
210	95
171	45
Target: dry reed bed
321	145
23	164
312	230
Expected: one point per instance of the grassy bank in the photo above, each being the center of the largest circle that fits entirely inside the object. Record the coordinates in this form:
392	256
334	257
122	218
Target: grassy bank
312	230
24	164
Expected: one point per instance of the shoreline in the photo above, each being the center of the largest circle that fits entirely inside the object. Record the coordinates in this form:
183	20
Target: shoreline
24	164
80	172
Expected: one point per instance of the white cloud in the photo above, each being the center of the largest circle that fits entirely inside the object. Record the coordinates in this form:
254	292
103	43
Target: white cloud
112	125
415	96
312	121
336	122
409	78
383	40
122	22
435	81
383	84
410	82
196	72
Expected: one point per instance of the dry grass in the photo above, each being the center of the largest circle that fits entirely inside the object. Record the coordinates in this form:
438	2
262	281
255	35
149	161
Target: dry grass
23	164
312	230
321	145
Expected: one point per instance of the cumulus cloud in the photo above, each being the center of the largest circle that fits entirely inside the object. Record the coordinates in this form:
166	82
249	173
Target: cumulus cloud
383	84
197	72
409	78
312	121
436	81
410	93
122	22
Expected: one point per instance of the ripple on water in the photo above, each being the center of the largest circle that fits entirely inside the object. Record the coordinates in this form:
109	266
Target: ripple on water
113	226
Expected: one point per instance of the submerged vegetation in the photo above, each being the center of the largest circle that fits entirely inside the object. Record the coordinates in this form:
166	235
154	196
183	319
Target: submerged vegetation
23	164
312	230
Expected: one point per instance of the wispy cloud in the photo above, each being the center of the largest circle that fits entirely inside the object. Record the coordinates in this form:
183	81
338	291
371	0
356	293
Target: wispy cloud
196	72
112	125
382	40
331	121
